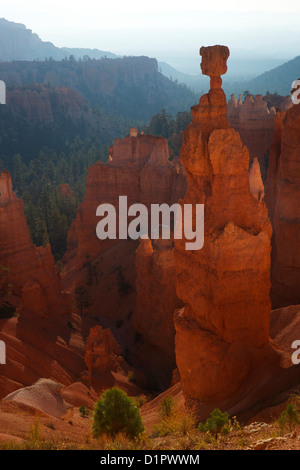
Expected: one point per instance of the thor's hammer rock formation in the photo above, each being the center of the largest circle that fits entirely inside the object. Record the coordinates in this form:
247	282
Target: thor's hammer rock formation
223	331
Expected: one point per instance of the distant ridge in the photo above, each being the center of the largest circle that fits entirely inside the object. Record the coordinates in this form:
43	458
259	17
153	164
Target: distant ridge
19	43
278	80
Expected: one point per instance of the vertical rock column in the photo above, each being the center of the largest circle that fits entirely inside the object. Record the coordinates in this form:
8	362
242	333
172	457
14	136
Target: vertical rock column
225	285
156	302
283	199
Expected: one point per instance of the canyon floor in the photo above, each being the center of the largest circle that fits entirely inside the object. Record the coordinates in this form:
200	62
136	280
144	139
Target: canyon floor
23	427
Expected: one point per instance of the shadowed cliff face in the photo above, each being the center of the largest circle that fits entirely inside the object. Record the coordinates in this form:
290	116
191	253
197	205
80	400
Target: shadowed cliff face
254	120
37	335
255	123
138	167
156	301
283	199
224	328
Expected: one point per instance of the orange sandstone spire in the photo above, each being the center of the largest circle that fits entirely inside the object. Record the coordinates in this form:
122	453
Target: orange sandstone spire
224	327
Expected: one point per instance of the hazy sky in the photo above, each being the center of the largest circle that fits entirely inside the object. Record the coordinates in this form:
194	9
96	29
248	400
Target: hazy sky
163	28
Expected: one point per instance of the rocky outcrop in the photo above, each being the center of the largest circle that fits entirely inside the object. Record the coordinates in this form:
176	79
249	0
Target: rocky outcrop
223	332
129	86
103	356
38	336
65	191
44	395
41	105
102	352
280	103
283	199
139	168
254	121
156	302
30	269
257	188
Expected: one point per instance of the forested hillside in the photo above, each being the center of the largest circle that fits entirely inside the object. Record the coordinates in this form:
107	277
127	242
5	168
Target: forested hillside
132	87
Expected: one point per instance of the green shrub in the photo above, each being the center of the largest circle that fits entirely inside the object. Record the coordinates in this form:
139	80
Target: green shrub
166	407
84	411
117	413
181	422
141	400
35	430
217	423
289	417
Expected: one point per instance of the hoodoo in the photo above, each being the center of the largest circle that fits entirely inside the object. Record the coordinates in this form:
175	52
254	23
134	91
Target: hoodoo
37	336
223	331
30	268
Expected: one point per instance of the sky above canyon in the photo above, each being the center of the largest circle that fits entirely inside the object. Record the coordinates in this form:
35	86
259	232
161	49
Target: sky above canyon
170	30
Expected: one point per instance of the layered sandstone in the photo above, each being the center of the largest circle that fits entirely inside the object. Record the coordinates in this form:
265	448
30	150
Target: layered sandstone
223	332
283	199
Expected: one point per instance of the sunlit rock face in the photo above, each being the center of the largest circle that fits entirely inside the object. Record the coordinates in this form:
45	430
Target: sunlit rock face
257	188
223	330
